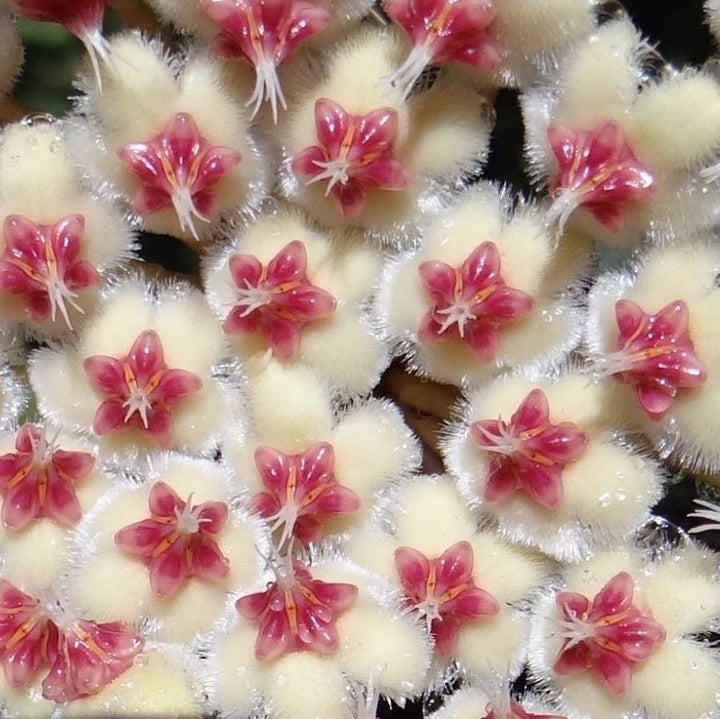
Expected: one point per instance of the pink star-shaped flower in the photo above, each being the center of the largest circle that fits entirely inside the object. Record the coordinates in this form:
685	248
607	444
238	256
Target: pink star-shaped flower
655	355
301	490
517	711
296	613
38	480
597	170
178	542
88	657
276	299
139	389
265	33
42	265
179	168
27	637
608	636
354	155
444	592
443	31
471	302
530	452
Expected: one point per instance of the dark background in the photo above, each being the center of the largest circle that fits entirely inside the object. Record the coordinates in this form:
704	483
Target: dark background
676	27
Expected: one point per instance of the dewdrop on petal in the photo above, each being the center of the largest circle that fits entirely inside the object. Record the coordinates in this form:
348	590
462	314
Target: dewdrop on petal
83	18
614	641
542	459
487	288
310	471
175	141
651	340
358	154
371	644
499	41
465	586
174	543
622	155
132	378
57	243
301	293
11	52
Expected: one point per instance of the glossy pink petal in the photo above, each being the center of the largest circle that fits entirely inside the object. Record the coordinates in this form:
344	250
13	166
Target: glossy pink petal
656	355
529	453
169	570
608	636
89	657
413	568
598	171
470	303
355	155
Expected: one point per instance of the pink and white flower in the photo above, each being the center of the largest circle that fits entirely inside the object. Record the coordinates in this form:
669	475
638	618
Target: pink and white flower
301	491
355	155
608	635
529	452
140	390
471	302
296	612
179	168
444	31
43	266
265	33
38	480
277	299
443	591
178	542
597	171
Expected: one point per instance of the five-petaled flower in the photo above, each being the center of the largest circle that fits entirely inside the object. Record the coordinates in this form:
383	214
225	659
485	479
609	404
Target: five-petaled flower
655	355
139	389
38	480
609	635
471	302
443	31
444	592
354	155
598	171
179	168
265	34
296	612
27	637
530	452
88	657
301	490
276	299
42	265
178	542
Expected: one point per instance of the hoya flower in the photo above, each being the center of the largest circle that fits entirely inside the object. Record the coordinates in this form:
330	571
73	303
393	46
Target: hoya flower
619	162
473	703
486	289
301	293
134	381
542	458
265	35
614	641
359	154
48	481
327	625
176	143
466	586
311	472
498	41
173	543
57	243
83	18
652	345
11	52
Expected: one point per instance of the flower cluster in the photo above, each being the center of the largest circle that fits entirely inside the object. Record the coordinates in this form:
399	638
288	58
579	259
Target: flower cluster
300	412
